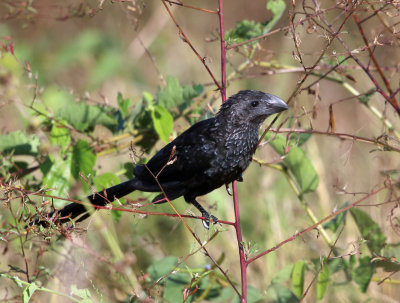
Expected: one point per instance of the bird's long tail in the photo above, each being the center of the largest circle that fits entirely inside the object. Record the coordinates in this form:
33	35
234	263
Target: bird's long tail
101	198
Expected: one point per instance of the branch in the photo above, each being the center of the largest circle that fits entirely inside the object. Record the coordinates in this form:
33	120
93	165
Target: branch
331	216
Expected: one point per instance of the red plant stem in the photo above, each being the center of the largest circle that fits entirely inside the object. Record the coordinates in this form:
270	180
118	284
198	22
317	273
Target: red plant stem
186	39
192	7
109	207
238	229
331	216
223	51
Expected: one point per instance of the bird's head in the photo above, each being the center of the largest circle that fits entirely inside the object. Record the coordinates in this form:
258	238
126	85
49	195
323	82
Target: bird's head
251	106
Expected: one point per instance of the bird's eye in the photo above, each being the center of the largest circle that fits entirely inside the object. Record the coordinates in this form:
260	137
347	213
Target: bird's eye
254	103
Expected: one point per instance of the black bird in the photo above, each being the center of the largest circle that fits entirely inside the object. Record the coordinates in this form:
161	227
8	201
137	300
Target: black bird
211	153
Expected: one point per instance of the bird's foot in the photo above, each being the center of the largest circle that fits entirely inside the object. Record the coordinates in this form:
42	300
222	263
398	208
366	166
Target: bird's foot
208	219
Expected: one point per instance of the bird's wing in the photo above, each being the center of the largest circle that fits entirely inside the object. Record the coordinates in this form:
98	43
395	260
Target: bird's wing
181	159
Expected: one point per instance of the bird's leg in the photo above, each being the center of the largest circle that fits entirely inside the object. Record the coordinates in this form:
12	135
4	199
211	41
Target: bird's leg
205	214
228	190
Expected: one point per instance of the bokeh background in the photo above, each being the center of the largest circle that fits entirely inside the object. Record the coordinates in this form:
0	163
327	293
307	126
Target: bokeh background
93	50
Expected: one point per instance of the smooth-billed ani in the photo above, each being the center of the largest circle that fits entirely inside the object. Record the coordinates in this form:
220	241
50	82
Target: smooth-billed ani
211	153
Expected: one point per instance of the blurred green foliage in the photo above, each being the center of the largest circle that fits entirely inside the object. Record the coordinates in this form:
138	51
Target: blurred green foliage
68	131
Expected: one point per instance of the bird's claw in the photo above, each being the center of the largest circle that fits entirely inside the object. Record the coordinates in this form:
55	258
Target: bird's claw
206	222
228	190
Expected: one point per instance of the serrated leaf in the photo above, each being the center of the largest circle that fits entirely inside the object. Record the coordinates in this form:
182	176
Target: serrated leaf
323	281
298	278
19	143
244	30
80	115
28	292
83	159
362	274
163	122
369	230
175	95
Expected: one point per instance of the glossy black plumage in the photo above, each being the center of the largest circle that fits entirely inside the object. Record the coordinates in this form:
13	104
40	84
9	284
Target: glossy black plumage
211	153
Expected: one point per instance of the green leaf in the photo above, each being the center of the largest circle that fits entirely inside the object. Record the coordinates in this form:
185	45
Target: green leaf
388	265
83	294
369	230
244	30
17	281
334	224
148	98
59	135
299	139
298	278
174	287
247	29
56	174
19	143
28	292
297	163
106	180
162	267
363	273
277	7
322	281
254	295
278	293
175	95
123	105
163	122
171	95
364	99
83	159
81	115
283	275
392	253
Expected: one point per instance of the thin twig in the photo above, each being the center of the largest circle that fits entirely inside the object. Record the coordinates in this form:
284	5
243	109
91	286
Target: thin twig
331	216
185	39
